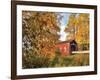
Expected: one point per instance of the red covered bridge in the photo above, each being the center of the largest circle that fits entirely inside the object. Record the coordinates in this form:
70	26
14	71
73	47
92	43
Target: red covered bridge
66	47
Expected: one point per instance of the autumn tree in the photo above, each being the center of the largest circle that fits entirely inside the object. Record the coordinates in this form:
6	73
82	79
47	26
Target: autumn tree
82	34
71	26
39	36
78	28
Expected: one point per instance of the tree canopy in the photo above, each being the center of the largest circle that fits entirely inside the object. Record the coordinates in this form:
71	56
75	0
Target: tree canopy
39	33
78	27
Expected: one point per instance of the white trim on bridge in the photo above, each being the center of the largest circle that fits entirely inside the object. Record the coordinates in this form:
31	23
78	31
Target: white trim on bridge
73	52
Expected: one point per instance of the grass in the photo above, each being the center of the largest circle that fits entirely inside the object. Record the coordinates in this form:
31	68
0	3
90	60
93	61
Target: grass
72	60
76	59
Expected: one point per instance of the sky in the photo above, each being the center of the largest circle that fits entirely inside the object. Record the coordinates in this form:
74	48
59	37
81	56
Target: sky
64	22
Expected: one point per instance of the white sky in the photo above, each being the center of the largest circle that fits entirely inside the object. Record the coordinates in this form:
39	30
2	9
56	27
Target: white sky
62	33
64	22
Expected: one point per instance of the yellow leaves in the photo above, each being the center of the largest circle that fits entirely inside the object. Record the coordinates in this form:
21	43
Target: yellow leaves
82	34
42	32
78	25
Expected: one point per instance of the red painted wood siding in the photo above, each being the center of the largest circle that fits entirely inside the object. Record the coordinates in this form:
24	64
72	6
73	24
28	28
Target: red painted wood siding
64	48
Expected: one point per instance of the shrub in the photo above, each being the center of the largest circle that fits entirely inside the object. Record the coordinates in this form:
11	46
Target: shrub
34	61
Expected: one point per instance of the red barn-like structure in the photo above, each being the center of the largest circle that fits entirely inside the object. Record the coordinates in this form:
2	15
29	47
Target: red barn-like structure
66	47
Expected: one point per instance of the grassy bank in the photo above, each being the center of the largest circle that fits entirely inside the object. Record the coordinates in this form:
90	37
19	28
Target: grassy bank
77	59
72	60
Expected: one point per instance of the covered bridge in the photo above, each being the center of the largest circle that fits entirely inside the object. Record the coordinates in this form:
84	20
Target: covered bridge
66	47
